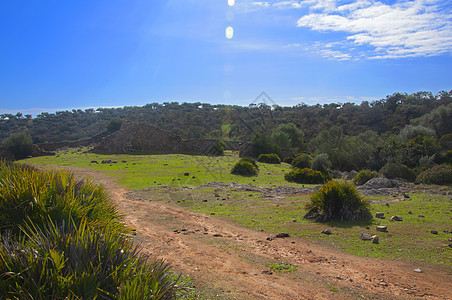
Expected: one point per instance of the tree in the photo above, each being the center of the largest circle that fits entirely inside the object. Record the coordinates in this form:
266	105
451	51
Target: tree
114	125
19	144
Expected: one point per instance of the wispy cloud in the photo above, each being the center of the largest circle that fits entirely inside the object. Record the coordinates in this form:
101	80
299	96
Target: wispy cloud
405	29
373	29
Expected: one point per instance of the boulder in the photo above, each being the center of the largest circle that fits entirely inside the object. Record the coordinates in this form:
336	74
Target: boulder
380	183
380	215
382	228
365	236
396	218
375	239
326	231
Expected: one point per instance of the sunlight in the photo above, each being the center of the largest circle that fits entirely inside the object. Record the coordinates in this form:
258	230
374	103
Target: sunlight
229	32
231	2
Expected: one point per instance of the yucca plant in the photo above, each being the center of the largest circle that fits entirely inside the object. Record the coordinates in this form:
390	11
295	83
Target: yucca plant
62	238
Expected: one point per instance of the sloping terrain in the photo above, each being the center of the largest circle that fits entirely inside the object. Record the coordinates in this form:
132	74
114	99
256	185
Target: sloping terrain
230	261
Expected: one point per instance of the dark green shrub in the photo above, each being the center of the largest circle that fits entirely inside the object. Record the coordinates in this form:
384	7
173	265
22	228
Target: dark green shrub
321	163
446	141
219	148
302	161
244	168
288	160
269	158
364	176
114	125
441	174
306	175
19	144
252	161
338	202
392	170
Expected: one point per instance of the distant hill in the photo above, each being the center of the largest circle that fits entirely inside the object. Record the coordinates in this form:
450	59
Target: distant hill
202	120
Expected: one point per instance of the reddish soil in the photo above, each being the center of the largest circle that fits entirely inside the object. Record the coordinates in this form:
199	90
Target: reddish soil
231	262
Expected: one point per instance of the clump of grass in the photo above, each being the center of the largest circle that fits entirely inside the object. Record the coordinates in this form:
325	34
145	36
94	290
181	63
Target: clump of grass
244	168
364	176
269	158
306	175
338	202
283	268
62	238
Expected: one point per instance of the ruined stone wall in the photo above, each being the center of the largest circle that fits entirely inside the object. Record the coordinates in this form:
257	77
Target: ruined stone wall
140	138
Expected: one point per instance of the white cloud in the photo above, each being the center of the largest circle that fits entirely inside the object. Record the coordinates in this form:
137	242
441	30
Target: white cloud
405	29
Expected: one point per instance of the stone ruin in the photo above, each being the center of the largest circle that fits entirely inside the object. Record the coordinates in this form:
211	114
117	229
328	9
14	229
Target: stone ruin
143	138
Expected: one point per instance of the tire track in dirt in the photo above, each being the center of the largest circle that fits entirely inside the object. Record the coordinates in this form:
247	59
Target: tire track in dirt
230	261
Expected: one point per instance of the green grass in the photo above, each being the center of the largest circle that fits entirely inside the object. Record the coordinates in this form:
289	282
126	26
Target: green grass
409	240
282	268
144	171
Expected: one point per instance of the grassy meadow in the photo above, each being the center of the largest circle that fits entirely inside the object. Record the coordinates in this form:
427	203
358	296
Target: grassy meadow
164	177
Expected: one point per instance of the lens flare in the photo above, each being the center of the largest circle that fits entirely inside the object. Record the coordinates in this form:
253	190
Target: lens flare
231	2
229	32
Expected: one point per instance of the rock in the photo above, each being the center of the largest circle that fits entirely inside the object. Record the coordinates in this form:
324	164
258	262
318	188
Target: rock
217	235
187	174
94	162
267	272
387	204
421	216
410	212
365	236
382	228
380	215
380	183
217	195
418	270
269	239
396	218
406	196
204	200
326	231
375	239
282	235
434	232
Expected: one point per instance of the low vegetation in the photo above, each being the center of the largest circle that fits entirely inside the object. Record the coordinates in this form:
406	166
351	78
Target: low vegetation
393	170
441	174
245	167
364	176
301	161
338	202
306	176
271	158
61	238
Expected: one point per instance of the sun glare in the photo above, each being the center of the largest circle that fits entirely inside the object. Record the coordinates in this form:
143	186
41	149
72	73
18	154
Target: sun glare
231	2
229	32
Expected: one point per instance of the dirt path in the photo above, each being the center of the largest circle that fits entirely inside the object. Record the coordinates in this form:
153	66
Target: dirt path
231	262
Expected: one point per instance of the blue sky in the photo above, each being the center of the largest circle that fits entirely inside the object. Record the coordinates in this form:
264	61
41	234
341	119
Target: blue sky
57	55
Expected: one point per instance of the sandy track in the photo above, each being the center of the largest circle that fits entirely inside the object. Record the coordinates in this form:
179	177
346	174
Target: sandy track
230	261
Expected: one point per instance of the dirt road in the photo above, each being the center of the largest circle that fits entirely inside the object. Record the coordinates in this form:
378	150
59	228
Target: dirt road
231	262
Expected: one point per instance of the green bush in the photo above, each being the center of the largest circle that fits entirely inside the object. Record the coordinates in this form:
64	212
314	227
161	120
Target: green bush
269	158
306	175
364	176
441	174
302	161
392	170
219	148
338	202
62	238
244	168
321	163
288	160
252	161
19	144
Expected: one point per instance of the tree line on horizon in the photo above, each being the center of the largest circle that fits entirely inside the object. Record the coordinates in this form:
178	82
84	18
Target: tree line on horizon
410	129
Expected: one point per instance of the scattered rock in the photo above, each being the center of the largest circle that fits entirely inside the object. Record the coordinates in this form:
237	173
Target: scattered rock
421	216
282	235
434	232
326	231
266	272
382	228
406	196
213	214
375	239
187	174
410	212
365	236
124	161
204	200
418	270
380	183
94	162
396	218
217	235
217	195
380	215
269	239
387	204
